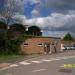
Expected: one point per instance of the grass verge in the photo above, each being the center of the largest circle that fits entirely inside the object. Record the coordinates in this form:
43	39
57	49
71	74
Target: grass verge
16	58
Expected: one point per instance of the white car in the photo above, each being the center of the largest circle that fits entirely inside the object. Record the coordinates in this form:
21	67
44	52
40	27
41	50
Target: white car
70	47
73	47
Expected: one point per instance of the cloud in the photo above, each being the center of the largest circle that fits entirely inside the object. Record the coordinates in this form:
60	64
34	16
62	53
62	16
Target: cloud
61	19
60	5
34	1
53	22
35	13
20	18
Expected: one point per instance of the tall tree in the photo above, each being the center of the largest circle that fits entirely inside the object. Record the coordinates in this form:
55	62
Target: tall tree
8	8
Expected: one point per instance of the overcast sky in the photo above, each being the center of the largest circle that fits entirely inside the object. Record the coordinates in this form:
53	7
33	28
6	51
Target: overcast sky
56	16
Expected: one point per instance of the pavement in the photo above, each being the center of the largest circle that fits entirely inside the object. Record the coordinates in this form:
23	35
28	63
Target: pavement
42	65
2	65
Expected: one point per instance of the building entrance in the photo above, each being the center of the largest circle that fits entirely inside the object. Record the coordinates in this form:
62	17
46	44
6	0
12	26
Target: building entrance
47	48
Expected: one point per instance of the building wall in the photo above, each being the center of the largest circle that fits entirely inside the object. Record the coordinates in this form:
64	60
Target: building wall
33	45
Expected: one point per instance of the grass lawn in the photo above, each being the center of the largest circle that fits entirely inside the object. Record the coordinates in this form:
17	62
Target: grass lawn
16	58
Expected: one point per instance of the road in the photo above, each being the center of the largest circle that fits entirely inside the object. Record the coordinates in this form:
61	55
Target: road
44	65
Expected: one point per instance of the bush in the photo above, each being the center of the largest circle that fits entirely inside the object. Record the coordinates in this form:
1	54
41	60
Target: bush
2	42
13	44
9	45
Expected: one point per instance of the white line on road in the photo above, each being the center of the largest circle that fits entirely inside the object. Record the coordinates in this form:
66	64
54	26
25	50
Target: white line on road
52	59
36	61
24	63
8	74
39	70
46	60
14	65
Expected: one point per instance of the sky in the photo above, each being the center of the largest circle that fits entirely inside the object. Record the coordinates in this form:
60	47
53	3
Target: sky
56	17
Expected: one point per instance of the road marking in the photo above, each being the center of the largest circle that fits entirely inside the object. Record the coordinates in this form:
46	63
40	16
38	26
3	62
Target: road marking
46	60
8	74
63	66
55	59
36	61
24	63
39	70
68	66
14	65
52	59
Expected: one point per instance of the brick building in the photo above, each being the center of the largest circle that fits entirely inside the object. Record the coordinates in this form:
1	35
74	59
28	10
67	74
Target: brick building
41	45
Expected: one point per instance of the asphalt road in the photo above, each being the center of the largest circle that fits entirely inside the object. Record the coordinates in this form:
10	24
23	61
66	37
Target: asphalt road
45	65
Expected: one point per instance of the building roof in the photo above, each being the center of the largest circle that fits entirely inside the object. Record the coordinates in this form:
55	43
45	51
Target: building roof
42	37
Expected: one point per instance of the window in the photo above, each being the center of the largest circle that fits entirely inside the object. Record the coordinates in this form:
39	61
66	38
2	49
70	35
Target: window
40	44
25	44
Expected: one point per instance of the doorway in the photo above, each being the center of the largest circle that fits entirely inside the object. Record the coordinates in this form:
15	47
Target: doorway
46	48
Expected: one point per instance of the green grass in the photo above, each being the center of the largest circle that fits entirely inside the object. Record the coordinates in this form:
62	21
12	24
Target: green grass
10	58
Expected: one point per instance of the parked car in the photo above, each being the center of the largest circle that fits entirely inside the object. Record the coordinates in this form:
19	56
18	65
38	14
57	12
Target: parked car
73	47
67	47
70	47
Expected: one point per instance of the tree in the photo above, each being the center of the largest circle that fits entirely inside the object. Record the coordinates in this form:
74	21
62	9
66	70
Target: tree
8	8
34	30
2	43
16	29
3	25
3	28
68	37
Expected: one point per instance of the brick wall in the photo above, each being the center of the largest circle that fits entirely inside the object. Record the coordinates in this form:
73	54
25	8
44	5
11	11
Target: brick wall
36	45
